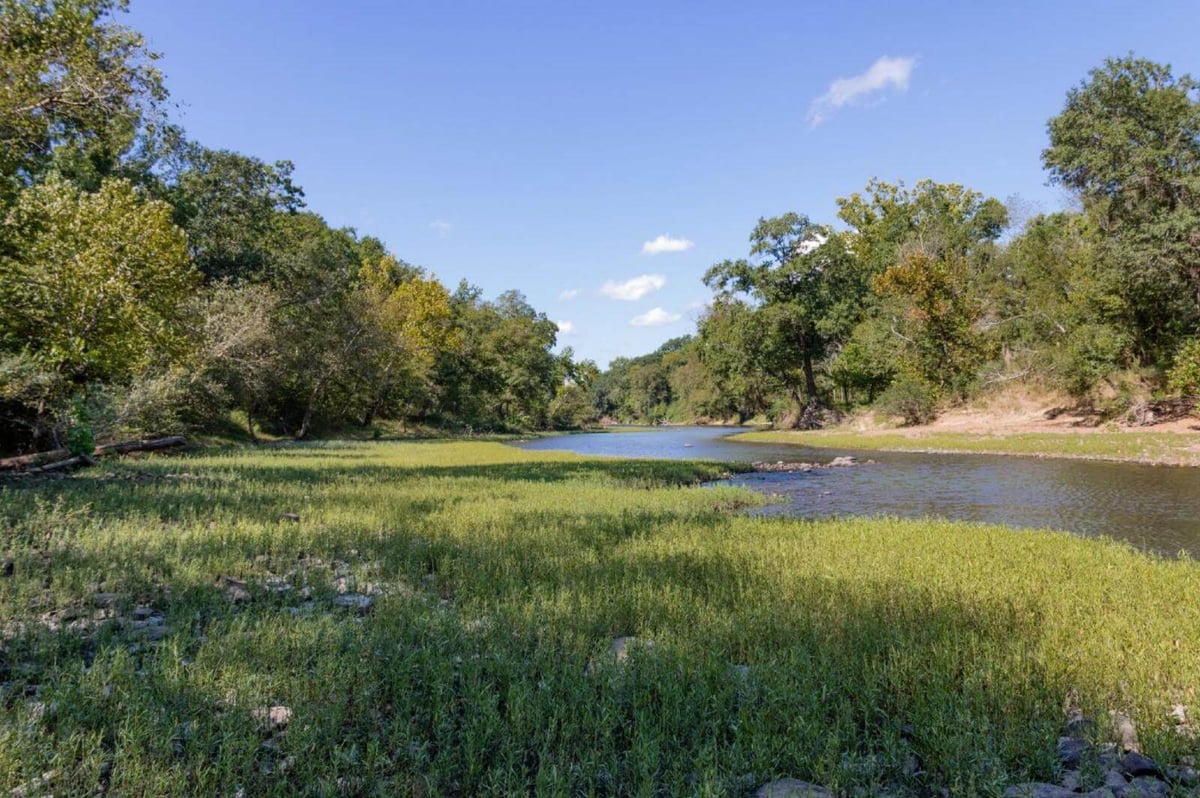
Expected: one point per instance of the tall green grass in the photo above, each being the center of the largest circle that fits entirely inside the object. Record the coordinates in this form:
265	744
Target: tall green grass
912	656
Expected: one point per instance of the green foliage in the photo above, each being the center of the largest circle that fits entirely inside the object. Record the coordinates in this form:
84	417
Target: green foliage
500	578
1091	352
1184	375
909	398
81	438
1128	141
98	282
78	90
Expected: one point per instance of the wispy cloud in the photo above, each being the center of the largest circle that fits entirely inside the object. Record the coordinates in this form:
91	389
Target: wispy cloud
441	227
566	295
886	73
666	244
654	318
634	289
566	327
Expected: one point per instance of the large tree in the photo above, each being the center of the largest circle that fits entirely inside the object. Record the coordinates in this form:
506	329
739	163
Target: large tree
76	90
805	287
1128	141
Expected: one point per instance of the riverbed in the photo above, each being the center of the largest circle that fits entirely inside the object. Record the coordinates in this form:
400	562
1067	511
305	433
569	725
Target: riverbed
1153	507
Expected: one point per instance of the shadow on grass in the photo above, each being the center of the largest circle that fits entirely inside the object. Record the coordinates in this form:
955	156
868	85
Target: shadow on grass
471	675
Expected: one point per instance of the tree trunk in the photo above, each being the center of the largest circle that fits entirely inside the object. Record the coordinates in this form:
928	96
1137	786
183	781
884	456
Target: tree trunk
810	378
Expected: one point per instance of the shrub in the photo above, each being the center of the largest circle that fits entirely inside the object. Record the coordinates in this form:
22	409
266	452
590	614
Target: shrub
910	398
1184	375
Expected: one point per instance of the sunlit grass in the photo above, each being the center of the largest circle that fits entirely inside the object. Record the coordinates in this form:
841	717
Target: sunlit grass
913	655
1164	448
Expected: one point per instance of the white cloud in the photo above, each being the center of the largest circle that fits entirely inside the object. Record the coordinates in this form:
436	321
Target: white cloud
568	294
654	318
883	74
441	227
634	289
566	327
666	244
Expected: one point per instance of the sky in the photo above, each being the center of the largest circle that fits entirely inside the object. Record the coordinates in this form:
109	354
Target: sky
600	157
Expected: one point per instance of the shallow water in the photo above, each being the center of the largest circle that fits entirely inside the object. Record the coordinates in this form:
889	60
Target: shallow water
1153	507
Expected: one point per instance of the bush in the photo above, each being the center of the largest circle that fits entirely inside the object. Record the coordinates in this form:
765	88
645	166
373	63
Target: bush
910	398
1184	375
1092	353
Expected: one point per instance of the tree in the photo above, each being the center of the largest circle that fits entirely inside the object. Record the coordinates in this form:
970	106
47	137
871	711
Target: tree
1128	141
805	286
77	88
227	202
97	291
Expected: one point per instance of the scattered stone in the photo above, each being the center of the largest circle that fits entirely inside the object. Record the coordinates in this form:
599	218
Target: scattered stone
1144	787
142	613
622	646
1185	775
273	718
792	788
8	567
1135	764
1071	780
1036	790
842	462
740	671
235	589
36	786
277	584
1115	781
293	517
1126	731
354	601
105	599
1071	751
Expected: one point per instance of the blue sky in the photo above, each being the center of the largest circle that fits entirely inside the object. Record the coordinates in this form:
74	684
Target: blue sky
541	145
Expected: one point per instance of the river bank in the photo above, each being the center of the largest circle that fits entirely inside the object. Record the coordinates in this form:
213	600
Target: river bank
441	617
1170	445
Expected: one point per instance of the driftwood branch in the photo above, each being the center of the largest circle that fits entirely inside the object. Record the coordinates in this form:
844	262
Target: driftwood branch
61	459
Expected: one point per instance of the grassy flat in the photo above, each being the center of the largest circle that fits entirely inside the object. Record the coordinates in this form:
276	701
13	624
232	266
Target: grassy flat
435	616
1159	448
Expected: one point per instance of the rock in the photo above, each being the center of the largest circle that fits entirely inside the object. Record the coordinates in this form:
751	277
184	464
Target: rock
1134	764
621	646
8	567
1071	751
354	601
740	671
293	517
842	462
1145	787
792	788
1115	781
37	786
272	718
235	589
1038	790
1126	731
1185	775
104	599
1071	780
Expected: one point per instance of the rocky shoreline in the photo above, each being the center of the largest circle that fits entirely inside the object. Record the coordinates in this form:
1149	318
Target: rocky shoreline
785	467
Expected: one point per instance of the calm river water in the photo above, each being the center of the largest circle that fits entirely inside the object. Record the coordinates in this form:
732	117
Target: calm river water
1154	507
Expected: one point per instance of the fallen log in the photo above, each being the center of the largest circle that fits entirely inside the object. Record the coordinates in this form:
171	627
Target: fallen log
140	446
60	459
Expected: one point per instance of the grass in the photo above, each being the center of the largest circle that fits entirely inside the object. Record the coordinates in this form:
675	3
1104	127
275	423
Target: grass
916	656
1160	448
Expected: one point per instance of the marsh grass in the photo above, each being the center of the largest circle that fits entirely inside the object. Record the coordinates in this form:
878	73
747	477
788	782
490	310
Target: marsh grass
917	656
1157	448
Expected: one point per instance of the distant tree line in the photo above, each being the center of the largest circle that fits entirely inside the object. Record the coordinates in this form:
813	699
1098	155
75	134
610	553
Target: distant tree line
930	294
149	284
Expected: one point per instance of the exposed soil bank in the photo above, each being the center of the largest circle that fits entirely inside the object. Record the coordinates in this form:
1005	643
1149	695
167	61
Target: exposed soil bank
1025	431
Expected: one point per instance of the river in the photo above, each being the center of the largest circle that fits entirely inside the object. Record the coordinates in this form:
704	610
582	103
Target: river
1156	508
